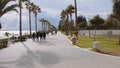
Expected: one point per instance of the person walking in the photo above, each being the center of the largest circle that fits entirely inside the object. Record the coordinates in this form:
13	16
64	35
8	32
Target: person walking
44	35
37	36
55	32
33	36
41	35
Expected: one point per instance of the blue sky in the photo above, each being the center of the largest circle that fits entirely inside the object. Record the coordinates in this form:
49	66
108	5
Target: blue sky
51	10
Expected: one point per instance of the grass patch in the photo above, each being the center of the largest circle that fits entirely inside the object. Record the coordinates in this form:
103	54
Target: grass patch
107	45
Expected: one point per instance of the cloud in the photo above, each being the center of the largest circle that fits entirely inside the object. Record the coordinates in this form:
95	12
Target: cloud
51	10
54	13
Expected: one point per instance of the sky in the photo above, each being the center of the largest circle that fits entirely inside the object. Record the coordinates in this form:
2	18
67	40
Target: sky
51	10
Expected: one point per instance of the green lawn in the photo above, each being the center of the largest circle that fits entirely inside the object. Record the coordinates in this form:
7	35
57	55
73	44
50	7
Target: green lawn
107	45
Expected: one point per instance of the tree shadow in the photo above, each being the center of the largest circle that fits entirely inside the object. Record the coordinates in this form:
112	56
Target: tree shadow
33	58
45	42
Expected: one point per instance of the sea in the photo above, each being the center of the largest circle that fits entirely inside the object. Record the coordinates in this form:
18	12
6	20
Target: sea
13	32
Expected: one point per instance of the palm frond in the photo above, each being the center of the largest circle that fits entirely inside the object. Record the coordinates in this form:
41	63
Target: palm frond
10	8
3	3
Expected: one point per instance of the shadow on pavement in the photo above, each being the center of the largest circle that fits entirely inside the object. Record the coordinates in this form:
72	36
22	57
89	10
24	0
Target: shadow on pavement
45	42
33	58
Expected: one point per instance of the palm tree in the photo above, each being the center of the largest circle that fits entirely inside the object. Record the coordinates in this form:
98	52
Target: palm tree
20	5
70	10
48	25
5	9
76	18
29	7
35	10
63	15
42	21
44	24
20	9
64	21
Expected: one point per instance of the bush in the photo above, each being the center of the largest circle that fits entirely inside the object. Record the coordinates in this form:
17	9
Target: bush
3	43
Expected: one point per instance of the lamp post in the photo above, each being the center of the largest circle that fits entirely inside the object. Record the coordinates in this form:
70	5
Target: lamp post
75	2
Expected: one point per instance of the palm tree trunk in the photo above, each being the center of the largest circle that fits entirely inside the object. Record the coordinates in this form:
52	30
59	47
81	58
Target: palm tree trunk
42	26
36	23
30	22
46	26
71	30
20	4
71	17
76	19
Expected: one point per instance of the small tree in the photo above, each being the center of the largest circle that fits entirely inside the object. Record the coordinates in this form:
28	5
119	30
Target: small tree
96	22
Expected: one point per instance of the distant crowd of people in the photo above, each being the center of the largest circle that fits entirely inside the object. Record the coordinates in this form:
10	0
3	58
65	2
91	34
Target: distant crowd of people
41	35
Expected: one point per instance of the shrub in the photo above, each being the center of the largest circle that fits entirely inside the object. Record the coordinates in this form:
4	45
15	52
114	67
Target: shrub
3	43
22	39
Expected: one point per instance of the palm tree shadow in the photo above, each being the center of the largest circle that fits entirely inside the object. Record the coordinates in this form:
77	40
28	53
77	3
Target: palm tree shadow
45	42
32	58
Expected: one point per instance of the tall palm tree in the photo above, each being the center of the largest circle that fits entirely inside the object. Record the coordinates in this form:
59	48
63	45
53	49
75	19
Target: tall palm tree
4	9
35	10
48	25
20	9
70	10
20	5
43	24
63	15
29	7
64	19
76	18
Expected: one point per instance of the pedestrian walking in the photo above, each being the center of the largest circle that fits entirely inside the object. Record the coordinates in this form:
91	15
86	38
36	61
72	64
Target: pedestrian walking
55	32
41	35
33	36
44	35
37	36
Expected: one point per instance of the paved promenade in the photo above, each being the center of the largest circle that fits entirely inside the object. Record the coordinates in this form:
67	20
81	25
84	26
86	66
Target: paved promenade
55	52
